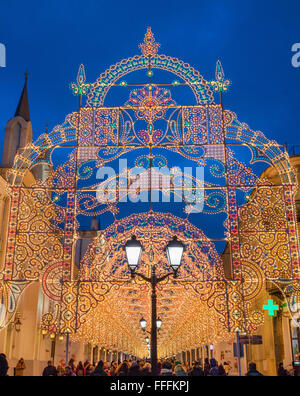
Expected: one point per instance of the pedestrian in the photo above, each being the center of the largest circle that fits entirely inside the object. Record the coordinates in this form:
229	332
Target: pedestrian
221	371
80	370
61	368
186	367
106	368
92	369
87	367
166	370
146	371
69	372
50	370
3	365
179	371
282	372
122	370
20	368
196	370
99	370
214	368
113	368
134	370
253	371
206	367
227	368
72	364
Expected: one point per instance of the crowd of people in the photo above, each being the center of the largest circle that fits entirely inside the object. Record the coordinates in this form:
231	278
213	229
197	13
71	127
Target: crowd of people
134	369
129	368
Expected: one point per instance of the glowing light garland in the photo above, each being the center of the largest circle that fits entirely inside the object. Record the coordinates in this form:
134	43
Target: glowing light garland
202	306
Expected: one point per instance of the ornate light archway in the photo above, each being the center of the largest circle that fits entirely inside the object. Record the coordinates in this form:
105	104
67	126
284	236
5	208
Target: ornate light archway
47	216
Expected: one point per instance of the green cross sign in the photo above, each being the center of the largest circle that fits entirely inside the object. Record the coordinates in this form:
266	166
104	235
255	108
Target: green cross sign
271	308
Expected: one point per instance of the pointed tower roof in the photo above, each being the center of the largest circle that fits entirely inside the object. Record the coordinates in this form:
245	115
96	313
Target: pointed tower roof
23	106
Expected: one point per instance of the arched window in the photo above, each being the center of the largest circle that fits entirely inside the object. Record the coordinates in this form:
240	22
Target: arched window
17	135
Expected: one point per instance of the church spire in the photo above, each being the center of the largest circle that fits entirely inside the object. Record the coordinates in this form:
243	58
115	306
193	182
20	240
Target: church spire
23	105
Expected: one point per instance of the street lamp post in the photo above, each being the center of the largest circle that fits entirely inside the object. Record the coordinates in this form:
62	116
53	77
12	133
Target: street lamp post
174	252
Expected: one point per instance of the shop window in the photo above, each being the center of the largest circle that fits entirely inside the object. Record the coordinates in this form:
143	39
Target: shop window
295	336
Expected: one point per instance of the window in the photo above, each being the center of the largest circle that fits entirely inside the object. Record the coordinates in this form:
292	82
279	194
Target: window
295	336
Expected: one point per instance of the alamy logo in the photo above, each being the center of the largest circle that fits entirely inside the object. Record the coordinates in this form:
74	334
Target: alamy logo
296	57
2	55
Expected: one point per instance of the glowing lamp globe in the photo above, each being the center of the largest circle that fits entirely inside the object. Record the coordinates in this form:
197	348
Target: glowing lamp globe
158	323
175	251
133	249
143	323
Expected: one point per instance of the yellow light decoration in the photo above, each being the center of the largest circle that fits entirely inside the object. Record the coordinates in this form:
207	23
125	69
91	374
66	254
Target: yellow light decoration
98	302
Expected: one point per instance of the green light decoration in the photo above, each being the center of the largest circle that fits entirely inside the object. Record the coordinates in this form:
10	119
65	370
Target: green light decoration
271	308
220	84
79	87
150	73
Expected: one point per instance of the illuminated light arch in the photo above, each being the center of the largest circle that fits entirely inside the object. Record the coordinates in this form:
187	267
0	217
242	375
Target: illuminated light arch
202	280
200	87
205	126
149	60
262	149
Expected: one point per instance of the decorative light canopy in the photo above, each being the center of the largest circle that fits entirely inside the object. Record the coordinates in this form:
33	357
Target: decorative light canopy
199	133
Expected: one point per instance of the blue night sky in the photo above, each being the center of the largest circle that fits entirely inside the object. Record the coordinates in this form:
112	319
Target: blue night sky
253	39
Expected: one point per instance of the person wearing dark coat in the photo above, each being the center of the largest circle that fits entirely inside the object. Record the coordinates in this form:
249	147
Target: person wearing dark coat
146	370
221	371
253	372
3	365
122	370
282	372
134	370
196	371
206	367
166	370
99	370
214	368
50	370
